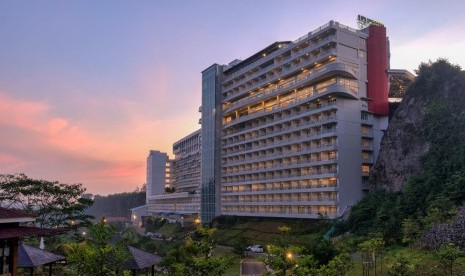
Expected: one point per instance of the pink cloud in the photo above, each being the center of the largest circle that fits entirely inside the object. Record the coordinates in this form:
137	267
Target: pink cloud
21	113
10	162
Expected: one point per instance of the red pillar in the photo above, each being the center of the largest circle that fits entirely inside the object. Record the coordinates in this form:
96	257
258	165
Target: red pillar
377	55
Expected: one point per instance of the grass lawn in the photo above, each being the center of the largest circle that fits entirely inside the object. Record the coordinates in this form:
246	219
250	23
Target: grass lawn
265	231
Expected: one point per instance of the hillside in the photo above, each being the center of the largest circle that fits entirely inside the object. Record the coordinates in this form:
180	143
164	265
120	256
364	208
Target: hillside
429	120
116	205
420	172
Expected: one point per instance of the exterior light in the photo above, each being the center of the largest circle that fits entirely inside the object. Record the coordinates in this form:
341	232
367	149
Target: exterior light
197	221
104	220
289	256
134	216
72	222
84	233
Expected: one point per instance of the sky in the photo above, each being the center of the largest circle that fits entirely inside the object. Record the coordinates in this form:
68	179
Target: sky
88	87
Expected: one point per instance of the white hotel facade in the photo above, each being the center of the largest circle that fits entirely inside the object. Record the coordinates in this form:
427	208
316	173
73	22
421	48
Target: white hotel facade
293	130
184	172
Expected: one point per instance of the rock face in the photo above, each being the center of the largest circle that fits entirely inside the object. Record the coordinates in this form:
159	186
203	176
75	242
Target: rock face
403	144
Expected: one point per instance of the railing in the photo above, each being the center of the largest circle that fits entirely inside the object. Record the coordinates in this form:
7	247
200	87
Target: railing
278	52
275	65
303	138
280	74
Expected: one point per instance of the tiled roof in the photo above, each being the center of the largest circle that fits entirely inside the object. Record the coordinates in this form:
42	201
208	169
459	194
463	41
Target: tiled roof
9	214
29	256
140	259
21	231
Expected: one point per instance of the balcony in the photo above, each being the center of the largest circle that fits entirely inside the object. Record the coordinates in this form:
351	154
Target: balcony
297	42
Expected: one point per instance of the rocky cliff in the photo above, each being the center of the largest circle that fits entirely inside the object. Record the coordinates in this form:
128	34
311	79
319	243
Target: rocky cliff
416	124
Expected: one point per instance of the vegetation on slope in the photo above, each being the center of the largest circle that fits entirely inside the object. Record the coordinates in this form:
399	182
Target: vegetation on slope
116	205
432	195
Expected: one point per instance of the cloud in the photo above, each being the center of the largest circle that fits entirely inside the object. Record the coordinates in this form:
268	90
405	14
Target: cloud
105	155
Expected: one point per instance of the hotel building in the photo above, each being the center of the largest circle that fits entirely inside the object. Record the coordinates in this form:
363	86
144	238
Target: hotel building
183	197
293	130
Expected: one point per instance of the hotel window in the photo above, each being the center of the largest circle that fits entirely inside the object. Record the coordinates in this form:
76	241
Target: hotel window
365	169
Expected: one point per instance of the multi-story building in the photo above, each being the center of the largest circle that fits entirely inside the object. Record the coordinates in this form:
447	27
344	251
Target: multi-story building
158	173
183	196
293	130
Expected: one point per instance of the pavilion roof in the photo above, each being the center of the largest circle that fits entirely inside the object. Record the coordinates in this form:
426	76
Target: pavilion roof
29	256
9	215
22	231
140	259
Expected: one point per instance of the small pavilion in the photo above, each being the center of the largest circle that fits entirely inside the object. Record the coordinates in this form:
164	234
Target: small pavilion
31	257
140	260
13	227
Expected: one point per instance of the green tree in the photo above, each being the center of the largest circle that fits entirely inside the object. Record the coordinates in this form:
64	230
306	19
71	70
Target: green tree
447	256
338	266
371	250
400	268
323	250
195	257
96	255
55	204
411	231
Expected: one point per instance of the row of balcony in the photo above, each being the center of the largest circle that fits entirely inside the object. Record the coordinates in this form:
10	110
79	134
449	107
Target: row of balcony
278	132
295	112
295	196
281	163
271	155
283	146
300	45
291	211
291	173
307	60
243	116
271	74
281	187
290	170
257	120
289	201
299	84
307	147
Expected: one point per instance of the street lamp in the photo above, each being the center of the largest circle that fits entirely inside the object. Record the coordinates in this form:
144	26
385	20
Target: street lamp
289	256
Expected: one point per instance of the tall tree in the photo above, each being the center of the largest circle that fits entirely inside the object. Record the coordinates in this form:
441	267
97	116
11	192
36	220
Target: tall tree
195	256
96	255
55	204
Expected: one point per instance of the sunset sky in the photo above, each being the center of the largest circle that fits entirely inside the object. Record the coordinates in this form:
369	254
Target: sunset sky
87	88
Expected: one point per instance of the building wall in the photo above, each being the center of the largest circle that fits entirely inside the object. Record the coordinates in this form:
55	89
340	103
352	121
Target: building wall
185	179
157	173
297	138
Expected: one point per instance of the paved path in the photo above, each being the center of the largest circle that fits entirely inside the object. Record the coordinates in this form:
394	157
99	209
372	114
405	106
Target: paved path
252	267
